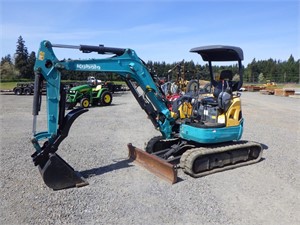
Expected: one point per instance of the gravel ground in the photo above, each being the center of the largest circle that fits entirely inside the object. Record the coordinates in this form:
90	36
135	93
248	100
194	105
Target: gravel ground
121	192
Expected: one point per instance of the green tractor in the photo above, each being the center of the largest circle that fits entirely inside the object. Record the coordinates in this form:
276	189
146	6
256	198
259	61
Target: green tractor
88	94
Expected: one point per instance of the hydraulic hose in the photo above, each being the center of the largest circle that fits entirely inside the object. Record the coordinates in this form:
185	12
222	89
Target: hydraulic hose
37	99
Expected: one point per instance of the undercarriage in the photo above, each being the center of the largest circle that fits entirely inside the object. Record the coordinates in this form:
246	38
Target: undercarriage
201	160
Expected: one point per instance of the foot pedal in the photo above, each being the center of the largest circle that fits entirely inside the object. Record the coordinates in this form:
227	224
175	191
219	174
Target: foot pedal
58	174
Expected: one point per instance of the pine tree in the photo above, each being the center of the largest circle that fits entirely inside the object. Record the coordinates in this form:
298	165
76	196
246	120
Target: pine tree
30	65
21	58
5	59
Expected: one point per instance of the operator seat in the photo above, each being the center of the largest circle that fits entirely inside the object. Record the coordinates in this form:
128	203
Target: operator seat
224	84
222	91
97	88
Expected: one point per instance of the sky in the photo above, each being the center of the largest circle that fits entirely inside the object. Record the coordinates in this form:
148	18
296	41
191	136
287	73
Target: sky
158	30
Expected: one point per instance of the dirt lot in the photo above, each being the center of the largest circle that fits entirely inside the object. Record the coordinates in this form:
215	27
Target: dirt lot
122	193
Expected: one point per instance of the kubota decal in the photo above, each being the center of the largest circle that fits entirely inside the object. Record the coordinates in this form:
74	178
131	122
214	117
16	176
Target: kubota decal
87	67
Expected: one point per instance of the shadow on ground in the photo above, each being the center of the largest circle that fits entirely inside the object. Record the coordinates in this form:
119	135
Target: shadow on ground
125	163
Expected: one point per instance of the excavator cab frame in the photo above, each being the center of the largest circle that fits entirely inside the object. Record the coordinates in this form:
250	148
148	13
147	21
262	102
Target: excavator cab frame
221	53
228	129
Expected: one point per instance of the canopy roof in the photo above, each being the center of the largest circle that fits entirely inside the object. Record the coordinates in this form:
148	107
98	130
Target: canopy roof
219	53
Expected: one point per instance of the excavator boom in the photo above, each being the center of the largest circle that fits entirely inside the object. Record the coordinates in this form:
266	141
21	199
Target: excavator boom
57	174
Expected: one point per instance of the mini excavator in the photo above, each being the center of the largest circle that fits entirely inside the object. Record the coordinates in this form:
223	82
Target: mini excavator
201	134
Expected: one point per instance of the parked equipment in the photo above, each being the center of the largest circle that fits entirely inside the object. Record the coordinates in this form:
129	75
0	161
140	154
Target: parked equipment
204	141
24	88
88	94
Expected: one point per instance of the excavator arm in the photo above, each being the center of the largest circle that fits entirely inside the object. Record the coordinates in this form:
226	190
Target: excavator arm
125	63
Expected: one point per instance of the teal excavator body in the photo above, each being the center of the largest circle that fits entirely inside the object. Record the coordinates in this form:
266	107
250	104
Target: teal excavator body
193	140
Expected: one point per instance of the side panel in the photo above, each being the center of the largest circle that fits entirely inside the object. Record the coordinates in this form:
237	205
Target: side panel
233	113
211	135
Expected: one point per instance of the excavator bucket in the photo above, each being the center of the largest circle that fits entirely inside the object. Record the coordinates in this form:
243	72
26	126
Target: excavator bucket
58	174
154	164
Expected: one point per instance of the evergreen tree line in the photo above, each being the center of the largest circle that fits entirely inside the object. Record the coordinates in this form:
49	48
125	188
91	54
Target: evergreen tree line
22	63
20	66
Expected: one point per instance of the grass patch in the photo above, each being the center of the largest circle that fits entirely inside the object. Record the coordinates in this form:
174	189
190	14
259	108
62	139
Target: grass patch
7	85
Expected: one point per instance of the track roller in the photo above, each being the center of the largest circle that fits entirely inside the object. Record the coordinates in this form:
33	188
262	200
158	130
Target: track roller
199	162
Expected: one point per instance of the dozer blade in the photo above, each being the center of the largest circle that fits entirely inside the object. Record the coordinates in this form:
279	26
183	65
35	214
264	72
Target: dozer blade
154	164
57	174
